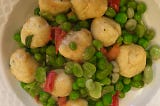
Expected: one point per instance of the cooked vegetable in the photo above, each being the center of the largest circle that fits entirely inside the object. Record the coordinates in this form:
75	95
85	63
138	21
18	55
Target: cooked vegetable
121	18
89	53
155	52
148	74
89	69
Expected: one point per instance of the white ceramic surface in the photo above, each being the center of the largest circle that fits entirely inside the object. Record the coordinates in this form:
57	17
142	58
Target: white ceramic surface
13	14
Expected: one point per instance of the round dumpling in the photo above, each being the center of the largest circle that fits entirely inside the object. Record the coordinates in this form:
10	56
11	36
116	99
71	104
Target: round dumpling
82	38
86	9
38	30
23	66
106	30
62	84
78	102
131	60
54	6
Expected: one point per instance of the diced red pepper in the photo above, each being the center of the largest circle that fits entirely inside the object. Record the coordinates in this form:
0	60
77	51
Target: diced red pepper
104	51
58	35
62	101
113	52
49	84
37	98
114	4
115	99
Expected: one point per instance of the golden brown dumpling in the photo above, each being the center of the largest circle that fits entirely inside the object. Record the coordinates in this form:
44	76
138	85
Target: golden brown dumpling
86	9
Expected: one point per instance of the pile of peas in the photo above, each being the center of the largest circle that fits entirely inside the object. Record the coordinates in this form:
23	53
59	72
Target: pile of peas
97	79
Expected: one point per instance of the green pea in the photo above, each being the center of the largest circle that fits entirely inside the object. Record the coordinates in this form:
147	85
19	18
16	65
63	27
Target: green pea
60	60
40	75
102	63
154	52
37	11
99	103
131	24
51	102
100	75
135	38
123	3
138	17
106	81
43	97
127	39
17	37
107	99
120	40
137	77
121	18
74	95
130	12
72	17
35	50
137	84
123	9
68	67
143	42
81	82
126	88
77	70
61	18
119	86
83	92
73	45
148	74
149	35
115	77
46	15
51	50
126	80
38	57
99	55
121	95
89	53
66	26
97	44
141	7
140	30
89	69
75	86
132	4
110	12
93	60
108	89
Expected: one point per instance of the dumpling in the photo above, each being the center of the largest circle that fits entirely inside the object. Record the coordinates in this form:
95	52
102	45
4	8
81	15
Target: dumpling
131	60
82	38
23	66
78	102
106	30
62	84
37	27
54	6
86	9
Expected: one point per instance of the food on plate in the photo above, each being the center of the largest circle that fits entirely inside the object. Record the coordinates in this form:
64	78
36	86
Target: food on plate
35	32
131	60
54	7
106	30
82	39
84	52
23	66
86	9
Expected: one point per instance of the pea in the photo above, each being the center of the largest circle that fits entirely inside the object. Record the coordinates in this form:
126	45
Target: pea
140	30
123	3
119	86
149	35
38	57
17	37
40	75
72	17
99	55
137	77
60	60
66	26
75	86
132	4
74	95
115	77
93	60
130	12
126	88
121	18
99	103
83	92
77	70
51	102
127	39
121	95
148	74
43	97
100	75
102	63
143	42
97	44
120	40
138	17
51	50
46	15
73	45
141	7
110	12
61	18
81	82
68	67
107	99
89	69
123	9
154	52
37	11
126	80
89	53
137	84
135	38
131	24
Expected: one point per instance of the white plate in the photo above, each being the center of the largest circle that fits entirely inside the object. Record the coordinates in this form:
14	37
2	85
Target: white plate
10	92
